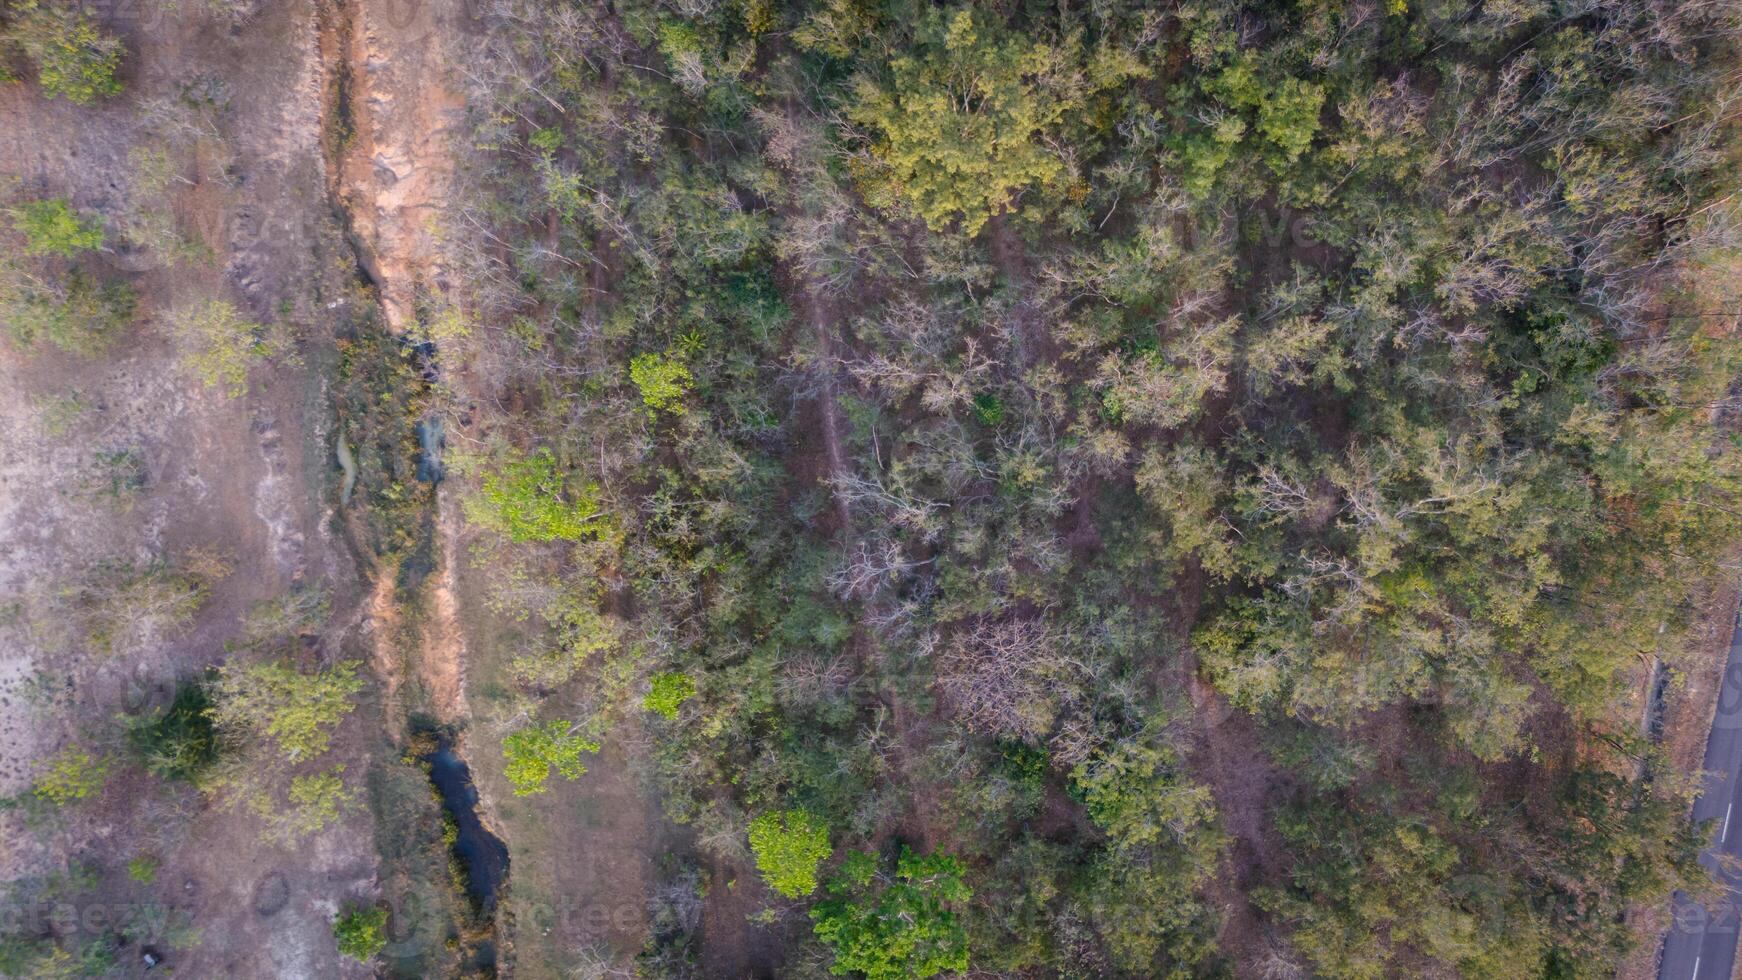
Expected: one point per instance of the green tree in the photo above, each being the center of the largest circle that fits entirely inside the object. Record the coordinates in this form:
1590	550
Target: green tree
789	844
963	118
667	692
75	60
534	751
296	711
900	925
529	499
52	227
71	775
361	931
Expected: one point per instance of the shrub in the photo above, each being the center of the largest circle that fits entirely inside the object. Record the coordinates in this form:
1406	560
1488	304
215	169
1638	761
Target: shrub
143	869
667	693
361	931
181	743
220	343
528	499
80	315
662	380
51	227
71	775
532	752
75	60
314	802
900	926
274	701
789	845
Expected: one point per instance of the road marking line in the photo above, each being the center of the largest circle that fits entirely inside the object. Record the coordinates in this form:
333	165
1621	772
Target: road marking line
1726	834
1696	975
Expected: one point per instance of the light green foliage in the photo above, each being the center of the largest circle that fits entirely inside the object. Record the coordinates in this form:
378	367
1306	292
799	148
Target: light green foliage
71	775
577	632
900	925
667	692
964	118
51	227
662	380
143	869
221	344
75	59
361	931
314	802
1135	793
295	711
789	844
528	498
534	751
1279	114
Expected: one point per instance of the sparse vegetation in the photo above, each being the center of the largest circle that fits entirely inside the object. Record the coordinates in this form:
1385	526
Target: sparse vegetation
1103	490
221	345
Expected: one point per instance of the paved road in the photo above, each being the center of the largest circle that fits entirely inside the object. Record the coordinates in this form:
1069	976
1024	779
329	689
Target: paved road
1702	942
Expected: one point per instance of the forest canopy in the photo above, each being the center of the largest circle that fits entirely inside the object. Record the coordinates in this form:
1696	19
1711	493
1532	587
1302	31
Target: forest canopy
1117	489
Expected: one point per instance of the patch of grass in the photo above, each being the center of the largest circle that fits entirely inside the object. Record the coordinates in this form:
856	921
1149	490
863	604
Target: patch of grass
57	415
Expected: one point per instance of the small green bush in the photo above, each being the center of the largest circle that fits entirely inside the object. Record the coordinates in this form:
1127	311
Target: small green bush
895	927
75	60
668	693
789	845
52	227
72	775
528	499
361	931
221	344
532	752
663	381
80	315
143	869
181	742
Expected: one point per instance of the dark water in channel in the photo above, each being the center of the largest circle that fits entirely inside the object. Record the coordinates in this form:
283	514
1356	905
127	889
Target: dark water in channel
483	856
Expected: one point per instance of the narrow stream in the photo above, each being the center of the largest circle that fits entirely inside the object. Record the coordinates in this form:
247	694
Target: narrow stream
484	857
